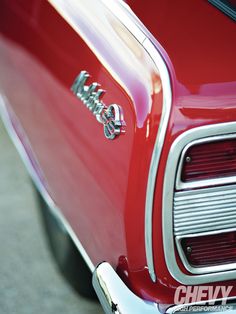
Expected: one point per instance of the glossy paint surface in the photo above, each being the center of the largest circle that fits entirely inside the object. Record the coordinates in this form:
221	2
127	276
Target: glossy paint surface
199	41
100	185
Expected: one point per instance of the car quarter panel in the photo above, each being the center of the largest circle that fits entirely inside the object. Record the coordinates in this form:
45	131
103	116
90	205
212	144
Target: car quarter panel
99	185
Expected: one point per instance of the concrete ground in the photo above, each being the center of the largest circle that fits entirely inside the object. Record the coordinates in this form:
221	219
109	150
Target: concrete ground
29	280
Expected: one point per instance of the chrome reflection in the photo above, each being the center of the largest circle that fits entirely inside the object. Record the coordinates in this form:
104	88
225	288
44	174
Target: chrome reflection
115	296
111	117
214	131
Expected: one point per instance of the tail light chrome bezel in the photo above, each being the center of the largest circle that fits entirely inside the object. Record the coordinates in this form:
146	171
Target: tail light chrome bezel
210	221
203	134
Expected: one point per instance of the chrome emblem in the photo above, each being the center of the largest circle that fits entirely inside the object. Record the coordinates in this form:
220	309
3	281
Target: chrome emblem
111	117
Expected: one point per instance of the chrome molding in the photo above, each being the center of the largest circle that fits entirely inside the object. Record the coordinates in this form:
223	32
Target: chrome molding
141	34
201	183
204	133
167	100
207	209
4	114
126	16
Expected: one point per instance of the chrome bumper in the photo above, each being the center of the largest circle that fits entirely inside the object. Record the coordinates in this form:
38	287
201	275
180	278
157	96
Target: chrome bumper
116	298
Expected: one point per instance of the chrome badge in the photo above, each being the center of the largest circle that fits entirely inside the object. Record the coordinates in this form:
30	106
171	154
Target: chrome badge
111	117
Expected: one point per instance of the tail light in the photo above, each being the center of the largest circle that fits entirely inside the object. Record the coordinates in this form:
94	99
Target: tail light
203	251
199	205
210	161
204	205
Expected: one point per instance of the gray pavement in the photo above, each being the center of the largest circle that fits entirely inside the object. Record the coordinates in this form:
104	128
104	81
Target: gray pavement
29	280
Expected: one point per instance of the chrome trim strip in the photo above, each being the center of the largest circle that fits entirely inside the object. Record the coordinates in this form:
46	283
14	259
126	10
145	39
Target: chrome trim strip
181	195
115	296
141	34
37	181
126	16
180	185
167	101
203	133
208	210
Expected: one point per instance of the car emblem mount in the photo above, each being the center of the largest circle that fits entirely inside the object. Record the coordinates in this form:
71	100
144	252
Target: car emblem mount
111	117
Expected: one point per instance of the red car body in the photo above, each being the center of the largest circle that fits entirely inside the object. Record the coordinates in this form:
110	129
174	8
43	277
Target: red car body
175	74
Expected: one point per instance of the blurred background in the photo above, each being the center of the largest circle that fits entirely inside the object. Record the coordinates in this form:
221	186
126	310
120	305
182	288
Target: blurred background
29	278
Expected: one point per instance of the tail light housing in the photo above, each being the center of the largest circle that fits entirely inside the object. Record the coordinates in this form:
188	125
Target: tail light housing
209	161
204	205
210	250
199	207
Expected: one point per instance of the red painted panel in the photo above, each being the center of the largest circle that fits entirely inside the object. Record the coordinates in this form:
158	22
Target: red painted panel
199	41
99	185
